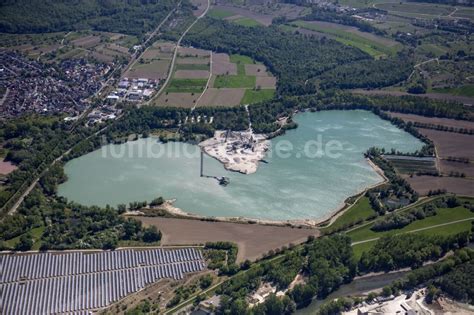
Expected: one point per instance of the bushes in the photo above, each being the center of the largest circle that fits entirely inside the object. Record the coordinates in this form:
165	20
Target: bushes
151	234
401	219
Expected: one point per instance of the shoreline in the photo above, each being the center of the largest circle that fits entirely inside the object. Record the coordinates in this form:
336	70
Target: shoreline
168	207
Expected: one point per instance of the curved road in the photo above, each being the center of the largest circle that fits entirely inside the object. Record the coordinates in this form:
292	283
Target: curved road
175	54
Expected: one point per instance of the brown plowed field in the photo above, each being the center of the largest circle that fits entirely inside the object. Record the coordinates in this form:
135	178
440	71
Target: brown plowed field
253	240
451	143
194	52
222	97
191	74
266	82
460	186
192	60
222	65
256	70
177	99
449	166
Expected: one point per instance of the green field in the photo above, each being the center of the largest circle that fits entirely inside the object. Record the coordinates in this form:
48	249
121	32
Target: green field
241	59
234	81
245	21
361	210
466	90
360	248
445	230
256	96
187	85
444	215
241	80
371	47
219	14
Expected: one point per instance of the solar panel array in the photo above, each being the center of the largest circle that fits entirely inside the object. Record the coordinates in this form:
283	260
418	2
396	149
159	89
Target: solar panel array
49	283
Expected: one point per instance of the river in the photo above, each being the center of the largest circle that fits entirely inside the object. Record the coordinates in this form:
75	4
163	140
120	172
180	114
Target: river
356	287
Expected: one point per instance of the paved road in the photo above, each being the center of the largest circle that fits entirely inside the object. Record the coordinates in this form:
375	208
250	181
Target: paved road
207	84
175	54
136	57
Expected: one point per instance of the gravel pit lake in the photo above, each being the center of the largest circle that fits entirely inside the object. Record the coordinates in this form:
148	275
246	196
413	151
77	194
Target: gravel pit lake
308	173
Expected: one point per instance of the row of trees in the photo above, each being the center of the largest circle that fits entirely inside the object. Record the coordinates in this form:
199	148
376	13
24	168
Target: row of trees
400	219
408	250
32	143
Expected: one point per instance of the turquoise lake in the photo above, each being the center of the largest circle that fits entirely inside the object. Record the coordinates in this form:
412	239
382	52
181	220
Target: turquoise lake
294	184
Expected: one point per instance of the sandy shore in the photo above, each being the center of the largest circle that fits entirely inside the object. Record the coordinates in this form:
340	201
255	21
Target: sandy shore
328	219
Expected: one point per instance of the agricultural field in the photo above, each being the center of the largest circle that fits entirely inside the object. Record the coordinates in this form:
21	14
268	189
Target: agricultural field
154	63
256	96
223	97
374	45
184	85
253	240
412	165
233	80
189	79
424	184
176	99
94	46
250	80
451	144
455	156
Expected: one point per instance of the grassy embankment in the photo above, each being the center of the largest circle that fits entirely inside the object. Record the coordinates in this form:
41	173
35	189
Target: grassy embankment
447	221
354	214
